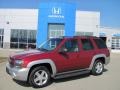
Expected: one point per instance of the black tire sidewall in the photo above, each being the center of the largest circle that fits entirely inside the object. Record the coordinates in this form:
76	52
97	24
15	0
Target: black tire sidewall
94	70
31	77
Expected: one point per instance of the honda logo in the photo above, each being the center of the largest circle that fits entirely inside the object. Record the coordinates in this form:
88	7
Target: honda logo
56	11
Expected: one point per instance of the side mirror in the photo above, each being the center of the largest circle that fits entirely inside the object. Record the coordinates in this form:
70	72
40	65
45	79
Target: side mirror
63	50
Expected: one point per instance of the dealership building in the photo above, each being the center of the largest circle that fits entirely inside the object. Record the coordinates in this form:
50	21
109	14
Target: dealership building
21	28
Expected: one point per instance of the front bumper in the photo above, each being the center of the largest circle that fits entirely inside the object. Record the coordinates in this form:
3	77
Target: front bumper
17	73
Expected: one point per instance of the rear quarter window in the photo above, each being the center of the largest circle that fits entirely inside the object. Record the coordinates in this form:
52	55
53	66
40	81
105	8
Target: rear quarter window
100	43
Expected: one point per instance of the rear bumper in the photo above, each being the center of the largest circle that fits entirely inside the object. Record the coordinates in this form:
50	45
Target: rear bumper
107	61
17	73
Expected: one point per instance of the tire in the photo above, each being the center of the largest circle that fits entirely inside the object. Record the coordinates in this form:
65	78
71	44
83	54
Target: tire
97	68
39	77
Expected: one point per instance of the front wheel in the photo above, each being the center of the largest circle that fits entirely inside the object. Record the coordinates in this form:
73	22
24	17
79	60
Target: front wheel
98	68
39	77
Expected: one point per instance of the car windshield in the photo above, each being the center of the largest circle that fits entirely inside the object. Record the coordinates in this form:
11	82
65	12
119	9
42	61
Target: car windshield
50	44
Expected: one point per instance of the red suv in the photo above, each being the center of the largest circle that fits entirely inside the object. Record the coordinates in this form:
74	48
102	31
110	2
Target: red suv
59	58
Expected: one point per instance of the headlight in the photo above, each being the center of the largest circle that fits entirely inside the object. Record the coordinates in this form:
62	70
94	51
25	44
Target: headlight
19	63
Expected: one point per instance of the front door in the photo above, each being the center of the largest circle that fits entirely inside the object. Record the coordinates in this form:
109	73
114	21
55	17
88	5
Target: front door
67	57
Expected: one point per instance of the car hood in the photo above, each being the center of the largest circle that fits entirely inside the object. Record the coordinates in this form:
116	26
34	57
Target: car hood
23	54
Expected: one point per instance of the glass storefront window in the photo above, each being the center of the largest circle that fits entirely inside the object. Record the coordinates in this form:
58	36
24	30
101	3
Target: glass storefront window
23	39
31	37
23	36
115	43
1	37
14	35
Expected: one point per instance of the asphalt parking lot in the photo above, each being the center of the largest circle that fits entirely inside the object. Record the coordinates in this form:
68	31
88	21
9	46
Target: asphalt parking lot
110	80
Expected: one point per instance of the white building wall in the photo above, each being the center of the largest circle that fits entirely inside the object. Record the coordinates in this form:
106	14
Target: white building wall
20	18
17	19
87	21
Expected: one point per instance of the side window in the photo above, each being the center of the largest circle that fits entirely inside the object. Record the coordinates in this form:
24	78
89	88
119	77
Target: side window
87	44
70	46
100	43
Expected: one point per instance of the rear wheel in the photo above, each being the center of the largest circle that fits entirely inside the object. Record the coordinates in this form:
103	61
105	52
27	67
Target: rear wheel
39	77
98	68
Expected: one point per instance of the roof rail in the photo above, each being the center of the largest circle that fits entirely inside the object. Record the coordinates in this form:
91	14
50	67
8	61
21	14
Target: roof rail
75	36
84	36
66	36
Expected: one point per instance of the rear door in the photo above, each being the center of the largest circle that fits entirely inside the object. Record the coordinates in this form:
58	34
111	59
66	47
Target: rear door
86	53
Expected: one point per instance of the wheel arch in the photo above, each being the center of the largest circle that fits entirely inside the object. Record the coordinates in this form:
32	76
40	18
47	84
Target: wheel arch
49	64
102	57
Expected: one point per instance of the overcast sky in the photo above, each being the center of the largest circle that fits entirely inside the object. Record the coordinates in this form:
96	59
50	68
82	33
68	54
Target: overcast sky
109	9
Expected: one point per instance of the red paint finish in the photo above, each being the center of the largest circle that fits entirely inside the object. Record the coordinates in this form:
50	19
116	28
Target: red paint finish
64	61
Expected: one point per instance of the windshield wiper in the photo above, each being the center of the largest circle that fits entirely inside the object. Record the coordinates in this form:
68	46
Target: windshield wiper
42	49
